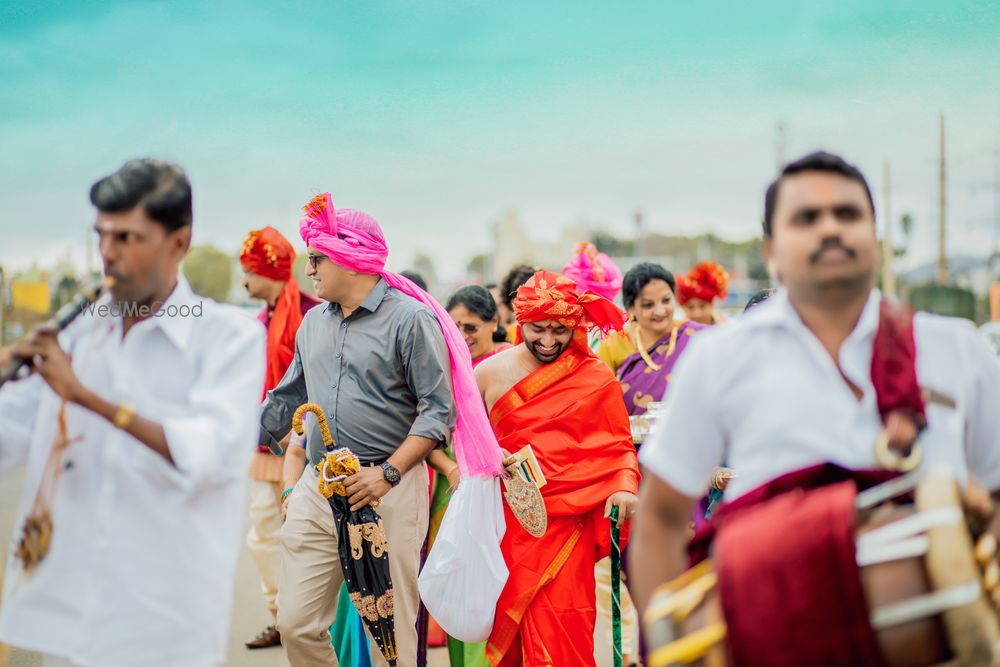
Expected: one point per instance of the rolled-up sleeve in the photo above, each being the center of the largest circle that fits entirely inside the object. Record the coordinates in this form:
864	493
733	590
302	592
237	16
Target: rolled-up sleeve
218	423
19	403
428	374
280	404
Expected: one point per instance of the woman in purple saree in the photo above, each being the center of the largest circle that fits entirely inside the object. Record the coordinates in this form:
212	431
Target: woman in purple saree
648	294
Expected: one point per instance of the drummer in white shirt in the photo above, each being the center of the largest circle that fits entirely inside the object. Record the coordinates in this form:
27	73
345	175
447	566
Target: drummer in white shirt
789	385
161	391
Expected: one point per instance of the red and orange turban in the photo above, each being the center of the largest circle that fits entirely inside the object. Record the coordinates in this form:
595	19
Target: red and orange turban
550	296
707	281
267	253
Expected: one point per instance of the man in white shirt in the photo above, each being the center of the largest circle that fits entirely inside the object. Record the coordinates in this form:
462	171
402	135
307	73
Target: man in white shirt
789	385
161	390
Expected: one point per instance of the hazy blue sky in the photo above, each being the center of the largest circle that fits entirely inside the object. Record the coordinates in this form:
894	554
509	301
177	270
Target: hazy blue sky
439	116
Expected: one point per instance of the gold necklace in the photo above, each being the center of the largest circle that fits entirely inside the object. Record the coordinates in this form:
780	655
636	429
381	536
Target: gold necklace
642	348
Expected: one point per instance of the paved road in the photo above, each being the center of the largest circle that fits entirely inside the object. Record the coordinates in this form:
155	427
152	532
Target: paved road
249	614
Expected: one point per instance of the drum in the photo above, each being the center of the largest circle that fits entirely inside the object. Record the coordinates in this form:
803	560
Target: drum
922	573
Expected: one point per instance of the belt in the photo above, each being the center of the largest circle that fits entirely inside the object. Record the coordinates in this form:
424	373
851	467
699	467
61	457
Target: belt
365	463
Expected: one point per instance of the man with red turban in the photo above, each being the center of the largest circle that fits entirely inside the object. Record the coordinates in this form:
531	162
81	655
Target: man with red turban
551	391
267	259
698	291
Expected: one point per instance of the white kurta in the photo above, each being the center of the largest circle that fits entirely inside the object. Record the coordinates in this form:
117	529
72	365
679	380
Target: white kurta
763	395
144	553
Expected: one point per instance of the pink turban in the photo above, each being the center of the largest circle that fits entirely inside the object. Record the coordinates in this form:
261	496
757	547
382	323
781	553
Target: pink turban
354	240
594	271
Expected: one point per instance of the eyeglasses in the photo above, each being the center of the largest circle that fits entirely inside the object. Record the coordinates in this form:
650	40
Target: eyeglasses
470	329
315	260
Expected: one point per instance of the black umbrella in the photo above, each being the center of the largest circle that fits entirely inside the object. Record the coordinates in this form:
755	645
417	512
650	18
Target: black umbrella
361	540
364	556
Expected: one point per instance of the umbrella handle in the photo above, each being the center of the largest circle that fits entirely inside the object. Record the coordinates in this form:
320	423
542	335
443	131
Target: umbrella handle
616	582
324	428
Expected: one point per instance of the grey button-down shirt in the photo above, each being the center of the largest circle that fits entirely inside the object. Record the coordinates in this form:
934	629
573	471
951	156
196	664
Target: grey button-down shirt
381	374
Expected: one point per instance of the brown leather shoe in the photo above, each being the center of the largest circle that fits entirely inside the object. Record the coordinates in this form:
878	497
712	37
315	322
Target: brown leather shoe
267	638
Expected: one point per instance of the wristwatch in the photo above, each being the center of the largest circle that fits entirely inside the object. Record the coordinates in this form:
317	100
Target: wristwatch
390	473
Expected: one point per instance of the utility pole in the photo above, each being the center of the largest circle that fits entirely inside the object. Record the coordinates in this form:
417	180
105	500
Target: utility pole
996	204
639	249
995	287
942	267
888	276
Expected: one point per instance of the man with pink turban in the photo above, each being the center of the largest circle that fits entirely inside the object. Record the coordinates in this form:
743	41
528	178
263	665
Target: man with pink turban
595	272
393	374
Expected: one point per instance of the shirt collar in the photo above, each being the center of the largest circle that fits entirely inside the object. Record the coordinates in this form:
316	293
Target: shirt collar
778	310
375	297
372	301
174	321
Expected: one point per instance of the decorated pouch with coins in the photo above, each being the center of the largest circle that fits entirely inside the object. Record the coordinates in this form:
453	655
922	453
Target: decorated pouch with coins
523	481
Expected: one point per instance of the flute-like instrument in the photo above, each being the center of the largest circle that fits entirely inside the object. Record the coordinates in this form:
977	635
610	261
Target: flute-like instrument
62	319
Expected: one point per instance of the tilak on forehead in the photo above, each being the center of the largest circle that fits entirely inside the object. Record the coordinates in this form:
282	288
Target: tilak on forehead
550	296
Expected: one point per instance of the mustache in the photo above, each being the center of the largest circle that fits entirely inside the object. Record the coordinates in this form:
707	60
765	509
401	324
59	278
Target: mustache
537	352
831	244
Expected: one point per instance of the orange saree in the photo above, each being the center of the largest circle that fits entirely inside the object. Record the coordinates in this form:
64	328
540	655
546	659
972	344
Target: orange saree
572	413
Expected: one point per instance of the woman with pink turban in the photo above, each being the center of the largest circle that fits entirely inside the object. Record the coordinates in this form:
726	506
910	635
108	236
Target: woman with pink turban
595	272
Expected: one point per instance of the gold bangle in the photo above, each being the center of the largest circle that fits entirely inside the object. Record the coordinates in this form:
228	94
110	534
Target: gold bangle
123	416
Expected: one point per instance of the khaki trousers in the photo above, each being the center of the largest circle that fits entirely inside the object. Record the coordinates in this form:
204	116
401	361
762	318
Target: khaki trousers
264	537
311	575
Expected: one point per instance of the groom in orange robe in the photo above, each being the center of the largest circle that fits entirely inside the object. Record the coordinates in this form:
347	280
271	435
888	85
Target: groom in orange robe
553	393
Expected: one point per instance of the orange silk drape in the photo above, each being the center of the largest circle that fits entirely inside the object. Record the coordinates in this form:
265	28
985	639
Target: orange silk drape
572	414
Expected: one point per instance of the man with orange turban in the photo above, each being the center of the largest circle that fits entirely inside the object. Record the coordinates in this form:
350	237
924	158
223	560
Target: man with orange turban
698	291
551	391
267	259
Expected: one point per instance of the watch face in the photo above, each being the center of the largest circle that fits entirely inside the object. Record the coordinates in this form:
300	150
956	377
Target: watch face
391	473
